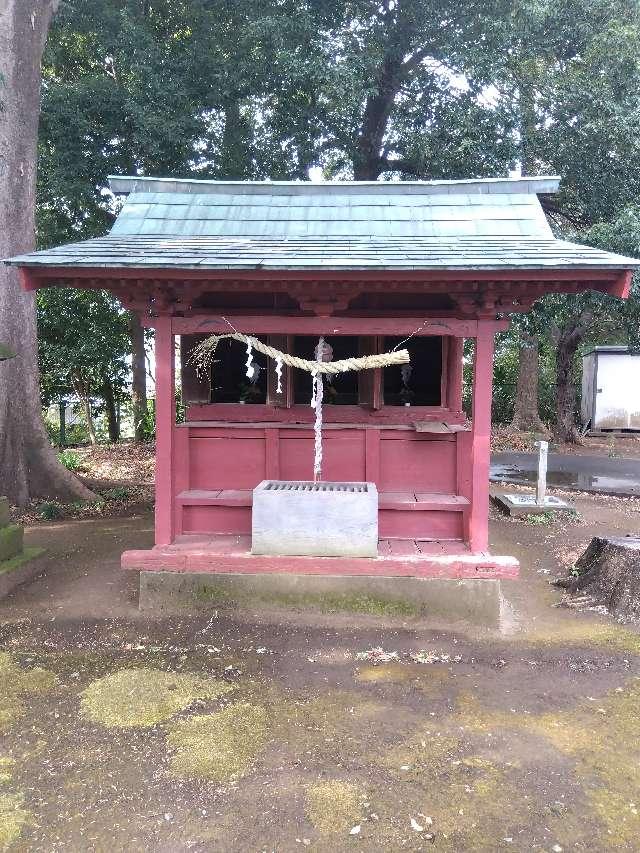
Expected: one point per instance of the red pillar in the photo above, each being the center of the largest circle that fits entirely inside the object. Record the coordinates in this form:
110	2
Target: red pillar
165	426
480	437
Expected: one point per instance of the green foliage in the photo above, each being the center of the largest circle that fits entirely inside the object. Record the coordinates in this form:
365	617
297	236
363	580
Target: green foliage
118	493
83	344
71	461
51	511
372	88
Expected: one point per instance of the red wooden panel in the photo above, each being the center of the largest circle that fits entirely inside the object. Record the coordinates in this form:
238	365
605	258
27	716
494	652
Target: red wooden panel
216	519
226	463
343	456
407	524
417	465
455	563
259	414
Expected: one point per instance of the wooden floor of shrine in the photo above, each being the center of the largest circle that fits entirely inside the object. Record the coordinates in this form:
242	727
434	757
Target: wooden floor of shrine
396	558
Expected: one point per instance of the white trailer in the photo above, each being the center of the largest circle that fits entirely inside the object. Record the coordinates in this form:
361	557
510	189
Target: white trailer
611	389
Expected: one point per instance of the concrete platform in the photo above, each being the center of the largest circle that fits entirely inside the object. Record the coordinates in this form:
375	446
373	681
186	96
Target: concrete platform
523	505
476	602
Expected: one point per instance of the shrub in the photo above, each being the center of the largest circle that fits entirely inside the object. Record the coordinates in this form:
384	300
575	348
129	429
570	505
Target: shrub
70	460
118	493
50	510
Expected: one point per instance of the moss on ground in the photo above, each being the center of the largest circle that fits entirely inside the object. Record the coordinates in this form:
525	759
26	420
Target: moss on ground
16	684
600	737
218	746
608	636
423	752
334	806
133	698
13	817
456	796
383	673
330	602
427	679
6	769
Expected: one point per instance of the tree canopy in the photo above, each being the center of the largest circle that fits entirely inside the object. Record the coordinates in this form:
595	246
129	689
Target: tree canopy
356	88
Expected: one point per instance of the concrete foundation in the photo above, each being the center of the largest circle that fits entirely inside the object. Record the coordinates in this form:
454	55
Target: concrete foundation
477	602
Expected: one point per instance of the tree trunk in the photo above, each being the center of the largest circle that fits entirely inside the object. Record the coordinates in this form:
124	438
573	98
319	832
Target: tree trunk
81	389
567	341
28	462
526	415
400	59
367	163
113	426
608	574
139	376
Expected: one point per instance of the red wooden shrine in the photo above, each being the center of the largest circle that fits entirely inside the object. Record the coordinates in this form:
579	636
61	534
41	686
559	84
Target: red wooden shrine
365	266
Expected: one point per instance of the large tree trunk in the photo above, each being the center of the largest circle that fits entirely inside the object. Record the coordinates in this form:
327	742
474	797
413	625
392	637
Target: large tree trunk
139	376
567	340
113	424
29	466
526	415
400	59
368	164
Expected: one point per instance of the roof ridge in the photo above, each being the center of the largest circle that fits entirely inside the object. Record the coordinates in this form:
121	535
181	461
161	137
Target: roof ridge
124	184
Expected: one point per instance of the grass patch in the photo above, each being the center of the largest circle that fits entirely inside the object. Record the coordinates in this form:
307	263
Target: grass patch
218	746
16	684
13	816
134	698
333	806
20	559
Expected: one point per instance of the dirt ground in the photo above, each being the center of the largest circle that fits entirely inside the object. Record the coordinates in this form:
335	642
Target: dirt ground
273	731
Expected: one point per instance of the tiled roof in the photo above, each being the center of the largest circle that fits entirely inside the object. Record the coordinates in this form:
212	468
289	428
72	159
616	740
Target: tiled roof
477	224
392	253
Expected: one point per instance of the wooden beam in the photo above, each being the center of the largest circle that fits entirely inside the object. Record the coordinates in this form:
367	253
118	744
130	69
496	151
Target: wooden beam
415	276
273	325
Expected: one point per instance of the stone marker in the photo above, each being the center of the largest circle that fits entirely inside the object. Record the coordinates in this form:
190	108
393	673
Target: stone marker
4	512
17	565
541	486
11	535
303	518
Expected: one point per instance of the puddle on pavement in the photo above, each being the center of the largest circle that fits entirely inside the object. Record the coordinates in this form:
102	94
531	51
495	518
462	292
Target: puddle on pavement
578	480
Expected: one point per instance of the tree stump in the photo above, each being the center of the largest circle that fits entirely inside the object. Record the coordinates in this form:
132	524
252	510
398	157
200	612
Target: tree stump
609	576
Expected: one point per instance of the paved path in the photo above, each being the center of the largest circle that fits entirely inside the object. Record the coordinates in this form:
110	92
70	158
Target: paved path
601	474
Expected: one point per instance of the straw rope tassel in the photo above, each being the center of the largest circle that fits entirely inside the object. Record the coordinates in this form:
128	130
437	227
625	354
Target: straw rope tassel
203	355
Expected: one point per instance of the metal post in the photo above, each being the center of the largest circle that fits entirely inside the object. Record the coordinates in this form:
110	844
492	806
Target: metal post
541	487
62	440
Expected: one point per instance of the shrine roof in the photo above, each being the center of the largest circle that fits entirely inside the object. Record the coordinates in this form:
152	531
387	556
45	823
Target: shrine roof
483	224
